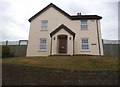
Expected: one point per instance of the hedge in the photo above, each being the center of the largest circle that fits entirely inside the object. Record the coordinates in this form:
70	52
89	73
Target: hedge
5	51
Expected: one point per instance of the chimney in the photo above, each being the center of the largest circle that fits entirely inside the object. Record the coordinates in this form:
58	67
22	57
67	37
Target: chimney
78	14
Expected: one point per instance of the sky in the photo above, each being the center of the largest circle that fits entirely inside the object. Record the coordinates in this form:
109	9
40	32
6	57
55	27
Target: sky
14	15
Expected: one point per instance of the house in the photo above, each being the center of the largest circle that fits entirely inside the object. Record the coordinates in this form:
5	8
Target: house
55	32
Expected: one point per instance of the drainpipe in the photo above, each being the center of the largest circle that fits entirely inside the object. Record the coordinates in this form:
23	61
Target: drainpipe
73	45
51	47
98	37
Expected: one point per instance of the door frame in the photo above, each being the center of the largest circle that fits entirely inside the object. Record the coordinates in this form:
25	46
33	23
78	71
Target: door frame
58	43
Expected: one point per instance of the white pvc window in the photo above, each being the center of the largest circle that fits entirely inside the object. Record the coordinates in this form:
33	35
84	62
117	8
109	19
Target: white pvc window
44	24
85	44
84	24
43	43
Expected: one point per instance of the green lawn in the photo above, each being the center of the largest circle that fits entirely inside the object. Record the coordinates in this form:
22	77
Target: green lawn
67	62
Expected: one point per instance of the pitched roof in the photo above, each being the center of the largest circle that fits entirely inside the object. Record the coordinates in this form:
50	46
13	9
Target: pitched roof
76	17
62	26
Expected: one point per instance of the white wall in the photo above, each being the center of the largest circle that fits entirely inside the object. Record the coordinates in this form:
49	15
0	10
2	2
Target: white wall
69	42
55	19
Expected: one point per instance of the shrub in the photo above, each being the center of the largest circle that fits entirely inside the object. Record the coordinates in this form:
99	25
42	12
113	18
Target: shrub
5	51
0	51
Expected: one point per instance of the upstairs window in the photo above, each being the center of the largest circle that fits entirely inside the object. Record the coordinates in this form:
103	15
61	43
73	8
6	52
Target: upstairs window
42	43
85	44
44	24
84	24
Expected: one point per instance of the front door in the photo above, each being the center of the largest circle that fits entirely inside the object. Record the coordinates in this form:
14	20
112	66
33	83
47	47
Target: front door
63	44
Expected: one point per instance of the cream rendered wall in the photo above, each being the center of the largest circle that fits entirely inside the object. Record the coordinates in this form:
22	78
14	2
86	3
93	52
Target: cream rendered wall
36	33
55	19
91	34
69	42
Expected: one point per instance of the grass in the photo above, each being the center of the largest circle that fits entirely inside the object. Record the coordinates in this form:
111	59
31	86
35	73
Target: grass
50	70
67	62
25	75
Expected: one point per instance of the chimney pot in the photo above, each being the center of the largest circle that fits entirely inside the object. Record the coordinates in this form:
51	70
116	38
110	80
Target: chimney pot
78	13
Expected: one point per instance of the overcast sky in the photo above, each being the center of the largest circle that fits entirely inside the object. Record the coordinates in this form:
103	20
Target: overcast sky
14	15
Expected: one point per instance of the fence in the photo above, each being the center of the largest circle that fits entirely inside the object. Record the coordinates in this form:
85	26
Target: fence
111	41
20	42
18	48
111	47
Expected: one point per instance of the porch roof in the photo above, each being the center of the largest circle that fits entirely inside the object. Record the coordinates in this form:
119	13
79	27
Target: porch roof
62	26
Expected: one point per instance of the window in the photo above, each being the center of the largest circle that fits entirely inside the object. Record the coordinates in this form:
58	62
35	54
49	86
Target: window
85	45
84	24
44	24
42	43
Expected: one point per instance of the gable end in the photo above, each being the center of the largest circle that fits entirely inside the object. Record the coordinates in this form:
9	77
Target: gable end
46	8
62	27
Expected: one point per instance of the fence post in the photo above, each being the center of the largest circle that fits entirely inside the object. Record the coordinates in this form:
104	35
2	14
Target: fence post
6	42
19	42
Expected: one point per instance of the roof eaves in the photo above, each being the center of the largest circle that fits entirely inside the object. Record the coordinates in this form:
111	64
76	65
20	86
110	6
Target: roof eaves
41	11
75	17
47	7
62	27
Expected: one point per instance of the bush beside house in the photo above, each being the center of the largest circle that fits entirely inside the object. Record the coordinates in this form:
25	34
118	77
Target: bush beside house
5	51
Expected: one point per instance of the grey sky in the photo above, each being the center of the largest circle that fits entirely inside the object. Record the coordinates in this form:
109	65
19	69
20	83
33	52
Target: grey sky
119	20
14	15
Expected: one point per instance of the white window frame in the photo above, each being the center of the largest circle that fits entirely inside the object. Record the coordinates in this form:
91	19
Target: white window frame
85	44
44	24
43	44
84	24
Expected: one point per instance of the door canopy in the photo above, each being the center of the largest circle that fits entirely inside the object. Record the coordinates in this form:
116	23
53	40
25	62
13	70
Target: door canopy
62	27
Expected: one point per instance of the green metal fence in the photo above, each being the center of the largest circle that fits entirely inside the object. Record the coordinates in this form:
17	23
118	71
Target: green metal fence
110	47
18	50
111	50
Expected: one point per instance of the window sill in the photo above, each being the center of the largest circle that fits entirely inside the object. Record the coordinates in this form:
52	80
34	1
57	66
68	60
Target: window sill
85	50
42	50
43	30
84	29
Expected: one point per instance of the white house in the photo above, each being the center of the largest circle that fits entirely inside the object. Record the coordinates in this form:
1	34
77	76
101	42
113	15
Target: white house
55	32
